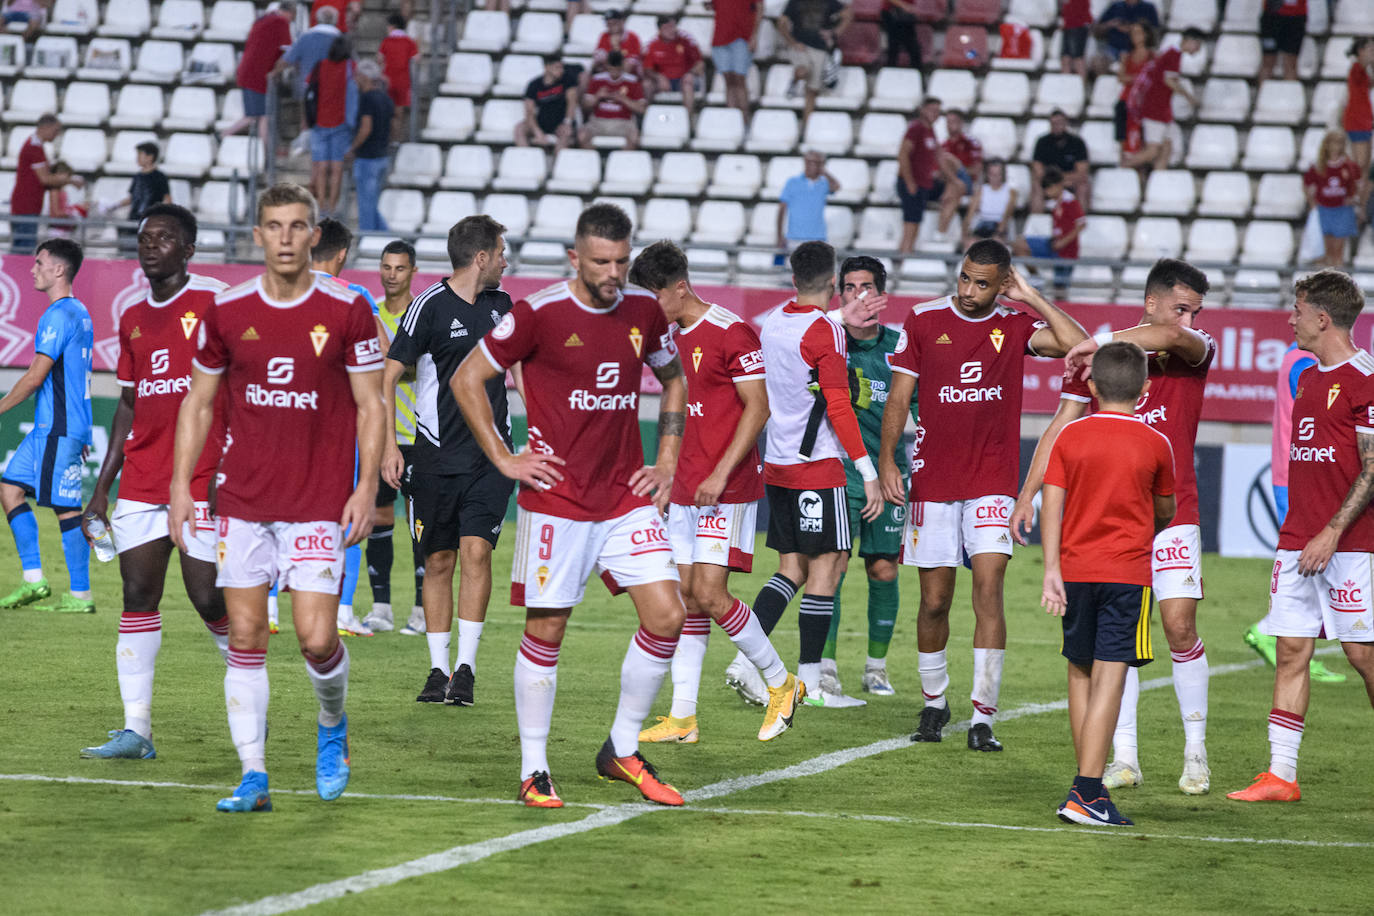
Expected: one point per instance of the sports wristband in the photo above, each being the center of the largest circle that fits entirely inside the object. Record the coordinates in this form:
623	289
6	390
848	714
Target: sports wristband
1103	338
865	468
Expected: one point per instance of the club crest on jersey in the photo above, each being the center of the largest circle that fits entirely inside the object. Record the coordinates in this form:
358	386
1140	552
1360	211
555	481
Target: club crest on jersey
997	338
637	341
573	340
318	338
541	575
1332	393
696	359
136	333
188	324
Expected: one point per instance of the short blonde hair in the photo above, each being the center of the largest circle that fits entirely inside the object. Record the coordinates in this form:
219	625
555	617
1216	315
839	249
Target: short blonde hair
285	194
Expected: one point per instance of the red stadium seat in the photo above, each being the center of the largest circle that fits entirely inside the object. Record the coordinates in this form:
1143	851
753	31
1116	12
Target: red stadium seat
860	44
978	12
867	10
966	47
932	10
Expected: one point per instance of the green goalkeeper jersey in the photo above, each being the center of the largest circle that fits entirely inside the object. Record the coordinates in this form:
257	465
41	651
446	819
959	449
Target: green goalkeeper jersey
870	374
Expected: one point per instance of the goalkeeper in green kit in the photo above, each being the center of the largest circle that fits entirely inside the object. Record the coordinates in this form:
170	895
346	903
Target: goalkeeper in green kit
863	281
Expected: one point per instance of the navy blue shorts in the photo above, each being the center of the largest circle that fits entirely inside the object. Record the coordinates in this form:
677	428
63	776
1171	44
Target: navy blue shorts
1107	622
913	205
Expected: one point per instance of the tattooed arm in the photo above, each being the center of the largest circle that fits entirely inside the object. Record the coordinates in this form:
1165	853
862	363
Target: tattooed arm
1318	551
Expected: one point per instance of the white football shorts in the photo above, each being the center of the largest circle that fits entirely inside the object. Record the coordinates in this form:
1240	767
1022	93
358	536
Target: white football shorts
134	524
720	535
939	534
301	556
1176	563
1334	604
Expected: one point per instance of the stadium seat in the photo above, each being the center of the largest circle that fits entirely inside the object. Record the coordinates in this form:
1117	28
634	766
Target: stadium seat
1311	144
515	73
698	28
126	19
664	127
772	131
452	119
880	135
831	132
1211	240
896	89
230	20
1032	62
1183	14
1236	55
230	111
966	46
1353	17
1269	149
86	105
1225	194
210	63
978	12
499	117
538	33
880	229
776	86
467	74
1038	14
1280	102
850	95
72	17
1003	94
716	96
719	222
1059	90
645	27
763	226
54	57
778	171
1033	130
1103	237
241	155
511	211
29	100
215	206
932	241
1279	195
191	108
123	158
10	160
884	191
738	175
1100	138
998	136
188	155
84	148
859	44
416	165
1102	102
1309	60
1116	191
839	226
628	173
954	89
1242	15
520	168
933	11
138	106
681	175
446	208
158	62
1019	177
1328	103
555	217
585	33
1225	100
575	171
1156	237
719	130
180	20
854	176
664	218
1335	61
1212	146
403	210
1267	242
13	55
628	204
1169	192
487	30
108	60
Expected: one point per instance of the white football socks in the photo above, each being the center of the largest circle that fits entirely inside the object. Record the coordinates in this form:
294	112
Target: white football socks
536	685
987	684
647	661
330	680
746	632
245	700
438	651
687	663
934	673
140	638
1124	741
469	636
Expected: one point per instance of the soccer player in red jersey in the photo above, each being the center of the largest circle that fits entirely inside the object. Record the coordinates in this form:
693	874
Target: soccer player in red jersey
586	500
1108	491
718	482
299	356
156	343
1322	585
968	352
1180	356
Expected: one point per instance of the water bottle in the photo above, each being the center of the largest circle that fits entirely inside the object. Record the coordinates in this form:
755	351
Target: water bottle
101	540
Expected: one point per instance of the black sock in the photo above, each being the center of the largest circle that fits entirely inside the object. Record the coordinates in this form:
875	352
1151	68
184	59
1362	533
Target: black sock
772	601
379	555
1089	789
813	622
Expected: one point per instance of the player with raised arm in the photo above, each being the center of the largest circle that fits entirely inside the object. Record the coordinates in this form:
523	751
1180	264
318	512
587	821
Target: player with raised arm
586	500
157	339
718	482
47	464
458	497
968	352
1180	356
397	270
301	361
1323	579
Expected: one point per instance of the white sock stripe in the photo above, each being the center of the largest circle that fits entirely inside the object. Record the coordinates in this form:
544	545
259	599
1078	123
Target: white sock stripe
841	502
784	587
247	658
539	653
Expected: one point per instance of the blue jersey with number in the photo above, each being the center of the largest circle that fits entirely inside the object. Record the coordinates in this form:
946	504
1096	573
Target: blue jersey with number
66	335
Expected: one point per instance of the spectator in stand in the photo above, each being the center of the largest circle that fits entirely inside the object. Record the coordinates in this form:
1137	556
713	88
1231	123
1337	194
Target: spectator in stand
899	22
801	206
550	101
309	48
34	13
613	99
64	212
673	63
1076	20
1358	120
1114	29
810	28
371	143
346	12
32	179
617	38
1282	26
1332	185
733	41
1127	69
1067	222
961	167
396	51
918	163
267	41
149	186
1064	151
335	113
990	212
1152	102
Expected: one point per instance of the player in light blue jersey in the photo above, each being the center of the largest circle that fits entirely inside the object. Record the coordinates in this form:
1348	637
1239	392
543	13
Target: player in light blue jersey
47	464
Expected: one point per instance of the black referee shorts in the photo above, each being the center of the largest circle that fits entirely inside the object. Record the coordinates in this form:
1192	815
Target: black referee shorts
386	493
808	522
447	507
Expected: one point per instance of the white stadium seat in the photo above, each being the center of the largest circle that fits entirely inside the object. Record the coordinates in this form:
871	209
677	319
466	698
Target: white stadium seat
880	229
1059	90
896	89
1003	94
1211	240
1279	195
126	19
719	222
763	226
1280	102
1225	194
123	158
585	33
230	20
718	130
1116	191
555	217
467	74
831	132
451	120
138	106
73	17
445	209
108	60
239	155
188	155
520	168
191	108
54	57
664	127
180	20
1100	139
86	104
1242	15
1335	63
575	171
538	33
1353	17
776	86
499	117
664	218
1169	192
849	95
222	202
1269	149
1156	237
1213	146
880	135
511	211
1226	100
468	168
416	165
230	111
716	95
486	30
1328	103
1039	14
884	191
515	73
210	63
772	131
776	174
954	89
84	148
1267	242
681	175
854	177
1102	101
1184	14
13	55
29	100
402	209
1236	55
1103	237
738	176
628	173
839	226
157	62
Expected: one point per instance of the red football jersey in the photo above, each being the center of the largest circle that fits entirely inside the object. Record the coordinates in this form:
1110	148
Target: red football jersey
1333	405
718	351
1172	407
924	156
1359	115
156	345
582	369
290	451
1110	466
672	58
1067	214
628	87
1334	185
968	442
966	149
1151	94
